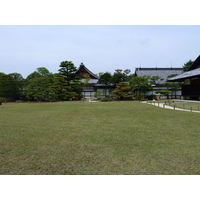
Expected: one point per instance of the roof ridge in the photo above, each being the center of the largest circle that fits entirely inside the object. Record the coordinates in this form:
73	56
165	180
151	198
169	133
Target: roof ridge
159	68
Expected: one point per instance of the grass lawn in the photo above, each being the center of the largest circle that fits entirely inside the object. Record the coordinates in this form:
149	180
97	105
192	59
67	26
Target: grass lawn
98	138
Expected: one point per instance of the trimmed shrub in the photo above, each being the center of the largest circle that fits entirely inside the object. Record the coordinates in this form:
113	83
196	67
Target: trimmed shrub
138	98
105	99
150	97
115	99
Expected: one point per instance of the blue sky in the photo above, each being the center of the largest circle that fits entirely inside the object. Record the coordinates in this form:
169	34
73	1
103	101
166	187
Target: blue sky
100	47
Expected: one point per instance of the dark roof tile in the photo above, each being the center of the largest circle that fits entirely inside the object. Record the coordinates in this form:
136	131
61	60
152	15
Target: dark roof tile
163	73
188	74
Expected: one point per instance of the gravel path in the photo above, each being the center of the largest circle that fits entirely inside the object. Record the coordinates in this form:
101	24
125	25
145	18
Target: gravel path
162	105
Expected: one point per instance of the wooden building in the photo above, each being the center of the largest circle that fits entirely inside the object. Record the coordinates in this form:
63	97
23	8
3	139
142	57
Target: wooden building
191	81
89	81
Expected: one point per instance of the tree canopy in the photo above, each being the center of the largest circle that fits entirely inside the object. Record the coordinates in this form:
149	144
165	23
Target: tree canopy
42	85
122	91
141	84
67	70
11	85
187	65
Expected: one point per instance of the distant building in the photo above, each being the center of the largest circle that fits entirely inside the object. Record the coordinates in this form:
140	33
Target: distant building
91	85
89	81
163	73
191	80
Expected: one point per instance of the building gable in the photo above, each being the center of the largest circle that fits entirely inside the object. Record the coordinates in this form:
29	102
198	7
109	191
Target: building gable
195	65
82	71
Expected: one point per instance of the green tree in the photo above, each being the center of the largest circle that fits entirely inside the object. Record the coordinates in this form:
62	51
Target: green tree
39	85
87	79
122	91
118	77
164	92
127	71
19	85
141	84
99	94
155	80
187	65
8	87
31	76
128	75
172	85
44	71
62	90
67	71
17	76
106	79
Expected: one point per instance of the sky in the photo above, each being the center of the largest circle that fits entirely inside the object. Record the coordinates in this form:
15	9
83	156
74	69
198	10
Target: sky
102	48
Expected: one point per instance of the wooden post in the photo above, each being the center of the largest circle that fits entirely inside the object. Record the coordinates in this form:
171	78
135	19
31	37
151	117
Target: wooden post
191	109
174	106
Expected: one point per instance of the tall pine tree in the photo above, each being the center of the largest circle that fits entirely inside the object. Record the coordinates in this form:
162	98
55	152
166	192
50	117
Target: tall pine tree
68	72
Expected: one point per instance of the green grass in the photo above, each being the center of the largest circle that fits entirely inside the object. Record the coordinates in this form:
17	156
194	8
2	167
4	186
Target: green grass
98	138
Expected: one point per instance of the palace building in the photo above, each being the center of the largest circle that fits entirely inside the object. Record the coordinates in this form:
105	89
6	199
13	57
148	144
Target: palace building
189	90
89	81
163	73
191	81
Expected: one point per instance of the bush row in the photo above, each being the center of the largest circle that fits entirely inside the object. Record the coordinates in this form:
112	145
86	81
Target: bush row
149	97
137	98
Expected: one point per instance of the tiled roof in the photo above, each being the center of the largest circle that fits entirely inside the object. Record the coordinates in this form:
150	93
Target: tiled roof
163	73
188	74
82	66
